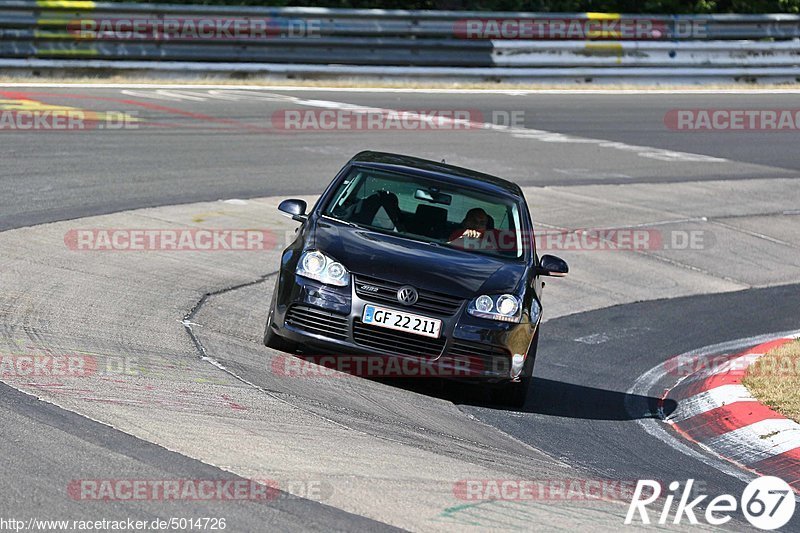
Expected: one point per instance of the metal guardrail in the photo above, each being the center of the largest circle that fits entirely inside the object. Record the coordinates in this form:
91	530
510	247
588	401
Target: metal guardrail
409	43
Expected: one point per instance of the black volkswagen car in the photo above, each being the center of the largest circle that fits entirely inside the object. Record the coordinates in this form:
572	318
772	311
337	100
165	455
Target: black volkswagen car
408	258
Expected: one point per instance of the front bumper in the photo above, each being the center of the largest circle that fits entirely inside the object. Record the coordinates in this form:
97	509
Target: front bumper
327	320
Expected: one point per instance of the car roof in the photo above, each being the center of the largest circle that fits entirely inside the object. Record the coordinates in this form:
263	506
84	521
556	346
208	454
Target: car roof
431	169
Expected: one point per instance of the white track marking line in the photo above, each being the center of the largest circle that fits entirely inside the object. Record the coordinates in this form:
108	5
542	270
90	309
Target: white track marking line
752	233
234	95
758	441
645	384
175	93
589	173
642	151
709	400
524	133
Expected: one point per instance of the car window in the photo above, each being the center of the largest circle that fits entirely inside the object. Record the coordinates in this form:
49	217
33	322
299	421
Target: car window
428	210
499	213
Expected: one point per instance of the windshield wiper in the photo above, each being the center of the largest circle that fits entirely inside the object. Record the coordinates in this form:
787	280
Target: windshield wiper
345	222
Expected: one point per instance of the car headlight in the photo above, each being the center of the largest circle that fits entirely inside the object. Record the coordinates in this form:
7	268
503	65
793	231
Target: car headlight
484	304
505	307
318	266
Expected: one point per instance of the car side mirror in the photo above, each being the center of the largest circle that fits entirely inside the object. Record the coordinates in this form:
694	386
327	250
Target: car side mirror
550	265
295	209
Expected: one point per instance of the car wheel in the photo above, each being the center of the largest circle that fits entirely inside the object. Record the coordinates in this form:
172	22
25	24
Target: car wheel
514	394
275	341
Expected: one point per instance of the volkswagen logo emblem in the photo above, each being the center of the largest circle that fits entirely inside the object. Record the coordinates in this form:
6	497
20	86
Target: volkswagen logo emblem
407	295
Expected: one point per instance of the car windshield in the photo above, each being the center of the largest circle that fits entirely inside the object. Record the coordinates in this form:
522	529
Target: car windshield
429	211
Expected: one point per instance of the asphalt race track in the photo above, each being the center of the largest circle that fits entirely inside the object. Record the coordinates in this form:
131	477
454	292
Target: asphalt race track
219	148
379	454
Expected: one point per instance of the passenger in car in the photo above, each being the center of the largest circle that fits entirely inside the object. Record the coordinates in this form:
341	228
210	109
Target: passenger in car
473	226
477	231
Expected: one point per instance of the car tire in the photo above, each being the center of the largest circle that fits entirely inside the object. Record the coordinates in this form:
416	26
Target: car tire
275	341
514	394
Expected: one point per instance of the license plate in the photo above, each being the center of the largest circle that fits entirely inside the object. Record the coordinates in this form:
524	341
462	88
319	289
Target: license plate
402	321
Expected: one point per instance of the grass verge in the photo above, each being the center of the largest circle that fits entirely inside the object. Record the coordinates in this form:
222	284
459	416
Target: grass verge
775	380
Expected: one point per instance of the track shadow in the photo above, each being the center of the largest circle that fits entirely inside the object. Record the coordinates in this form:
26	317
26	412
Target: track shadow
548	397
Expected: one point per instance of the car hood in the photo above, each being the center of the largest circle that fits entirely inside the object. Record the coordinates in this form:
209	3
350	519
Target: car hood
425	266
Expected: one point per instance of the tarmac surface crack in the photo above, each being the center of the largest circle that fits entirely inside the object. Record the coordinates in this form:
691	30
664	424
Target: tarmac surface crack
372	418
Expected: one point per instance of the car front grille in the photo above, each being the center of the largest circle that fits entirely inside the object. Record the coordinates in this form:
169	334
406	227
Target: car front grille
396	342
318	321
431	302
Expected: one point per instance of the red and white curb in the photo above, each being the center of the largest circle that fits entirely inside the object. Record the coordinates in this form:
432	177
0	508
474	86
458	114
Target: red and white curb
716	411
